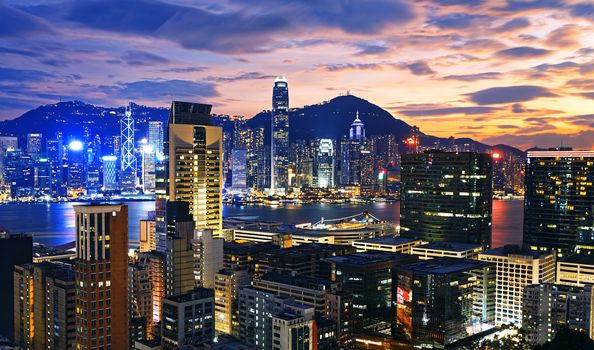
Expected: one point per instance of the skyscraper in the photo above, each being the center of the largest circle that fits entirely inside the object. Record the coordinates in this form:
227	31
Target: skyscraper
325	163
447	197
110	173
148	169
14	249
128	160
238	169
44	306
193	171
279	179
559	201
101	269
155	136
34	145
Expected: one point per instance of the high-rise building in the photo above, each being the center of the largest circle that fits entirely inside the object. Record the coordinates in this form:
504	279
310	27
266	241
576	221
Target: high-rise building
6	143
325	163
140	294
127	159
258	310
208	257
148	234
576	270
294	328
35	145
188	319
339	309
559	198
179	251
447	197
101	269
238	169
368	276
44	306
192	172
227	285
279	169
155	136
148	169
441	301
76	165
110	173
15	249
515	269
155	262
550	307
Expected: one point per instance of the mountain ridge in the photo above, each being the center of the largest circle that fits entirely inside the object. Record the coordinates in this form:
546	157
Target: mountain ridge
328	119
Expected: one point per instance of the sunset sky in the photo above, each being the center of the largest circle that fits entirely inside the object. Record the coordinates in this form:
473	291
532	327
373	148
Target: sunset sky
506	71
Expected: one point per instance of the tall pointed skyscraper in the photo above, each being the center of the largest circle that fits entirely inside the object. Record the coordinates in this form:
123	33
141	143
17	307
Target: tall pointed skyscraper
128	160
191	170
280	136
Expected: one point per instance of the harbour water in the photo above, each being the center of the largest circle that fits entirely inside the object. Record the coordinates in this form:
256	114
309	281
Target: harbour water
53	223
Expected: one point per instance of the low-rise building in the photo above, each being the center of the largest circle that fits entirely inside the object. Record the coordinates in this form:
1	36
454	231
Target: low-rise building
447	249
393	244
576	270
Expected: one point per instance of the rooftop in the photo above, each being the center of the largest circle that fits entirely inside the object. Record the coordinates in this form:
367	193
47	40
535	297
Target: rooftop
310	248
297	280
585	259
516	250
449	246
195	294
287	316
443	266
388	240
368	258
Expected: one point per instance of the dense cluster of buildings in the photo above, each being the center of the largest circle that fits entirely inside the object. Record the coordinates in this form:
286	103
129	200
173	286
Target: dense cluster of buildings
64	165
200	282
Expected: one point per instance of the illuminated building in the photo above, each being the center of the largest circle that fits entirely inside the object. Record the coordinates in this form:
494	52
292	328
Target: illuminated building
339	309
179	252
148	234
34	145
258	310
368	276
294	328
148	169
44	306
515	269
304	260
155	136
441	301
226	286
15	249
19	172
101	269
558	201
188	319
576	270
303	157
76	165
155	262
43	176
192	172
128	159
550	307
140	295
325	163
238	169
447	249
110	173
447	197
208	257
387	244
244	256
279	176
304	289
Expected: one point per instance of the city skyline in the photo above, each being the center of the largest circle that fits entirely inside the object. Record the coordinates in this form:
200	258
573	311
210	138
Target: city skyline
514	72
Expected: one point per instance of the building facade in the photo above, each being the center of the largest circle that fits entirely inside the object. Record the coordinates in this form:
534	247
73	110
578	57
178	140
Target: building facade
447	197
280	136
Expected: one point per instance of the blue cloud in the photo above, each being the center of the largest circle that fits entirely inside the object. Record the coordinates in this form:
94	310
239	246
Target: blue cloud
143	58
458	20
16	23
513	25
161	90
584	10
523	52
525	5
419	68
509	94
10	74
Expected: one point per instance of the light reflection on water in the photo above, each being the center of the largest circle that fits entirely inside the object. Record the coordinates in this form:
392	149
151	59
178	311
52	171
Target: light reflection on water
53	224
